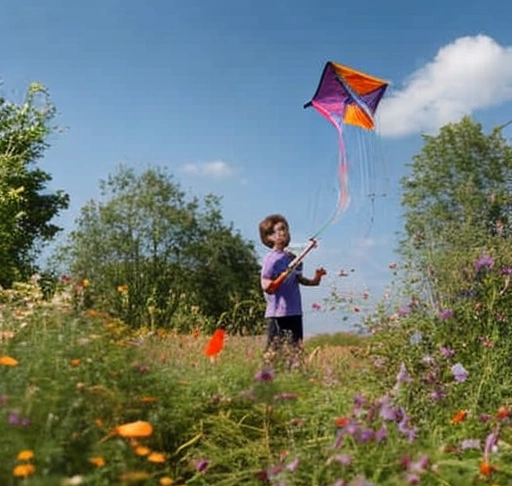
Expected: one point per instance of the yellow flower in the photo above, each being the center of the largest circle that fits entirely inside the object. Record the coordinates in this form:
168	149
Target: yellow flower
85	282
25	455
157	457
135	429
98	461
23	470
8	361
122	289
167	481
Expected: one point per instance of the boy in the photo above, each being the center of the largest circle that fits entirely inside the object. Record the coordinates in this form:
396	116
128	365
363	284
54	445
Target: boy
284	304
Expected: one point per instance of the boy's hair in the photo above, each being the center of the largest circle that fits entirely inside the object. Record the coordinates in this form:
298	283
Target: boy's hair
267	228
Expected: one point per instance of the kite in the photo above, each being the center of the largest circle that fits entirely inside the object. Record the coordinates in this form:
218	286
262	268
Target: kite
346	97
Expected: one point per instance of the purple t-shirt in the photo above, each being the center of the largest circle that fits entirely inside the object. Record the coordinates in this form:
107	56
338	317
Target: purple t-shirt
286	301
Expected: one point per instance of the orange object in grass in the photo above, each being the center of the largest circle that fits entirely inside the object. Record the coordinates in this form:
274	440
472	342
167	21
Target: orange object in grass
215	344
459	416
486	468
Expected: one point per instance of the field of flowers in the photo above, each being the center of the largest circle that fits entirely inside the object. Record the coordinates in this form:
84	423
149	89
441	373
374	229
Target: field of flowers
84	401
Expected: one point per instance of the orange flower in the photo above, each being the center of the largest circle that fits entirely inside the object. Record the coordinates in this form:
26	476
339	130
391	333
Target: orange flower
195	333
134	429
122	289
25	455
216	343
166	481
23	470
75	362
8	361
486	468
341	422
459	416
141	450
156	457
503	413
98	461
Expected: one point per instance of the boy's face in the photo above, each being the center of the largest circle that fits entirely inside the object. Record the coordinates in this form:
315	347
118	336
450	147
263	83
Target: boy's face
280	235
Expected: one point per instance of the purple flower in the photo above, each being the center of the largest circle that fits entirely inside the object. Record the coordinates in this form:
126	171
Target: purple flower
365	435
445	314
420	465
446	352
405	428
490	442
293	465
343	459
403	311
201	465
264	375
361	481
470	444
351	428
387	412
437	394
506	271
403	376
25	422
359	400
412	479
484	262
459	372
14	418
381	434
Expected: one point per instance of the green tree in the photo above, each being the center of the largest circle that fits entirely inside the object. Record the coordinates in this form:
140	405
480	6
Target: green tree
148	251
458	203
26	206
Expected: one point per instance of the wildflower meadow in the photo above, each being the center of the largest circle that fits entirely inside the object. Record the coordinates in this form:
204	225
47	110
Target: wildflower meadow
420	398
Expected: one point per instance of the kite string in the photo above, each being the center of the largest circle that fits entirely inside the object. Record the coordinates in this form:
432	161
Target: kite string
343	190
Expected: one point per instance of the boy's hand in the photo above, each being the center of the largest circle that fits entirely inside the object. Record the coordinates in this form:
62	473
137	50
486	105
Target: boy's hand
319	273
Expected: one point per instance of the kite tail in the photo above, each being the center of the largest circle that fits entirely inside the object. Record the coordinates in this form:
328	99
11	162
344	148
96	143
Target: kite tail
343	192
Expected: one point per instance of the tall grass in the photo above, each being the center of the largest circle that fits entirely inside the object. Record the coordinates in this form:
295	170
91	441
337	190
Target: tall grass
345	410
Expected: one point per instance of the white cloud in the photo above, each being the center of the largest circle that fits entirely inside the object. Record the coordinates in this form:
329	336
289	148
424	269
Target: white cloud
469	74
216	168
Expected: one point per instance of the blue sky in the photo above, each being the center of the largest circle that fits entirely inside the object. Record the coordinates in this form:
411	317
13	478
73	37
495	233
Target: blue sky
213	90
